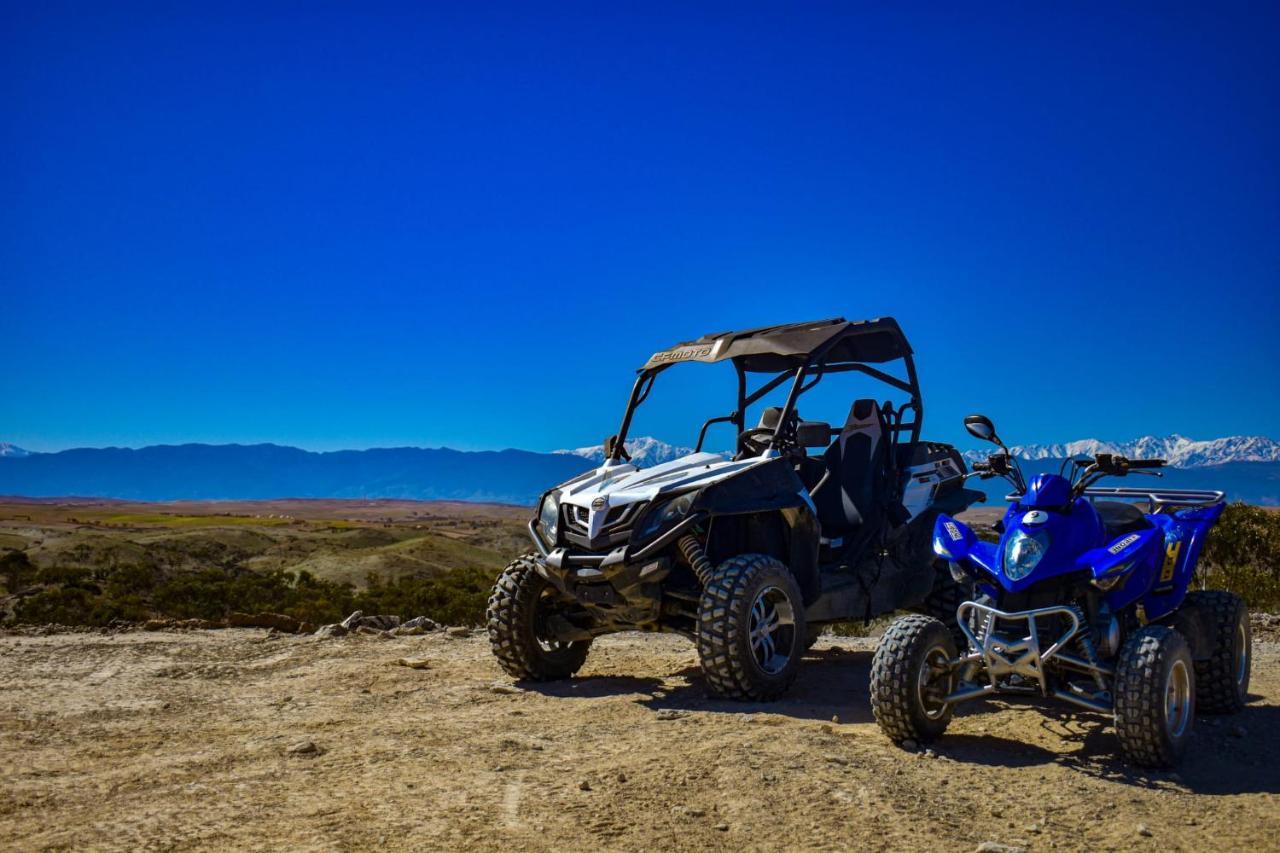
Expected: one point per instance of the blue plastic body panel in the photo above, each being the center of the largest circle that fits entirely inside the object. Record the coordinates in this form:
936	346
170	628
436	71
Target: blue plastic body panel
1151	567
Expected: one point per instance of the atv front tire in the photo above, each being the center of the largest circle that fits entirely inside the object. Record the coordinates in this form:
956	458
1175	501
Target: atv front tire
1155	697
518	608
751	628
909	677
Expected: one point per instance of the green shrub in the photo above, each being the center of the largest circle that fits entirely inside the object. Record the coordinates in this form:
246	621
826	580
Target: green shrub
1242	554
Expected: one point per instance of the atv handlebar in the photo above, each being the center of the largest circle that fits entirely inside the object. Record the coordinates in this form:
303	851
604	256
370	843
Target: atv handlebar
1111	465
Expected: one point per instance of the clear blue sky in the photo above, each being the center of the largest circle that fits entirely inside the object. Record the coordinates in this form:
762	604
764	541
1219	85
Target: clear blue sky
466	224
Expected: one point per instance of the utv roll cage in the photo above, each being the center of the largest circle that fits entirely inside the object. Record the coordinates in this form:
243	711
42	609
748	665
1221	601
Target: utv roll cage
802	352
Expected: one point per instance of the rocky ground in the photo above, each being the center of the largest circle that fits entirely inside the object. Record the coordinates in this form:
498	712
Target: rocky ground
230	739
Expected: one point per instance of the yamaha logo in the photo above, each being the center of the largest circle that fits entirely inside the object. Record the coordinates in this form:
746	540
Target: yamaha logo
599	503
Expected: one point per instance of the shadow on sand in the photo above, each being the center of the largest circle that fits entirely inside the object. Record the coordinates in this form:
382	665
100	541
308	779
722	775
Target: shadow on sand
1228	755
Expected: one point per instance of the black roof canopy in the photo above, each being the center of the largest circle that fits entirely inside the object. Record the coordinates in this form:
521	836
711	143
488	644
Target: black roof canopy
772	349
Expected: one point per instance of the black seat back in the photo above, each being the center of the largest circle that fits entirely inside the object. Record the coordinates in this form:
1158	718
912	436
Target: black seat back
856	465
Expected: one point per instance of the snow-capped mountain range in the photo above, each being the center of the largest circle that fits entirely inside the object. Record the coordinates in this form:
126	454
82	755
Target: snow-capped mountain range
1179	451
645	451
12	450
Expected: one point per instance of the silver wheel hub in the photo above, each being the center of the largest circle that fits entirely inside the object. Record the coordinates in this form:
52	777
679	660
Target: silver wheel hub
1177	699
933	682
1242	654
772	630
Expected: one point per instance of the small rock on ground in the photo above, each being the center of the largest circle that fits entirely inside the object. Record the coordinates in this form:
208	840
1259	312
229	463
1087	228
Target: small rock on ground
414	663
304	747
459	631
997	847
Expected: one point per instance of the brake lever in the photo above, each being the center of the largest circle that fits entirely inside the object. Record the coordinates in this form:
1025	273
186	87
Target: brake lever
1145	473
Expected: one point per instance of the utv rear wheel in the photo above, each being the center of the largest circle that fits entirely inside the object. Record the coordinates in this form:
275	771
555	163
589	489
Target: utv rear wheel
1155	697
1222	679
910	675
518	609
751	629
945	599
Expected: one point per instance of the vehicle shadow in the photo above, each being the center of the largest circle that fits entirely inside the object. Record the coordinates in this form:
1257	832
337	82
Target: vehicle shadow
1234	754
832	682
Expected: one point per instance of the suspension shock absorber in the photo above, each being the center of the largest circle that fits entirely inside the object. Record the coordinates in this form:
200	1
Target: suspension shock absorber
696	557
1084	639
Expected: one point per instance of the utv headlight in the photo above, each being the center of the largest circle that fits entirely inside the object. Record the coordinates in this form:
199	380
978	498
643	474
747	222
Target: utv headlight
664	514
1022	552
549	516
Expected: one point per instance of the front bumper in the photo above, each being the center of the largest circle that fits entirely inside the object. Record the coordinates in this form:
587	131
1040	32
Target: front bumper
617	593
999	655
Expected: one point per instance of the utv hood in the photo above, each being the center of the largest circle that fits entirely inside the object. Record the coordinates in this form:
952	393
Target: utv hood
625	484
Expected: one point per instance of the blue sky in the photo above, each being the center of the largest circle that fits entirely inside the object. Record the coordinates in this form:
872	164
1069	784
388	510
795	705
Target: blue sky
465	225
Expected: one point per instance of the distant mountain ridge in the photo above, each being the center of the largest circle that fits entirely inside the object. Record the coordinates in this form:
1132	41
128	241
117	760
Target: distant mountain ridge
12	450
1247	468
1179	451
261	471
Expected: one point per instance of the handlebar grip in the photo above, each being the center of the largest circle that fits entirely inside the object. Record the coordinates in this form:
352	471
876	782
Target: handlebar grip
1146	463
981	466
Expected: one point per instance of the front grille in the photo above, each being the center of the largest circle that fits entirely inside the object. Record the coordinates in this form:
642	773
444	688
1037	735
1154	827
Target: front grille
617	521
576	517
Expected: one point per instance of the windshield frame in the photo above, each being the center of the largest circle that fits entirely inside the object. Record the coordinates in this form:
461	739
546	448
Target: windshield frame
815	366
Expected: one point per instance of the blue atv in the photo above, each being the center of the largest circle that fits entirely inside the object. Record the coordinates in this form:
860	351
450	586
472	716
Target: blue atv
1083	600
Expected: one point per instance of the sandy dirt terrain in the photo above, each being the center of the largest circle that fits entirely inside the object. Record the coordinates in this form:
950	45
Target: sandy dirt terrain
198	740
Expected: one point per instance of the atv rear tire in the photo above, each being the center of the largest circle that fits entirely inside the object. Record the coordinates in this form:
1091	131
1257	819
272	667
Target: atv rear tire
908	678
1155	697
945	598
1222	680
516	617
751	628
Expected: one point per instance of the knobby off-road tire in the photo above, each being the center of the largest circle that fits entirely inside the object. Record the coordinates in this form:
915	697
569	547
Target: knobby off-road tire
1155	703
517	608
907	679
1222	680
746	595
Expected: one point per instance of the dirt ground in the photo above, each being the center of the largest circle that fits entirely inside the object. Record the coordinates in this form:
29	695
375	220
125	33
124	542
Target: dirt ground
173	740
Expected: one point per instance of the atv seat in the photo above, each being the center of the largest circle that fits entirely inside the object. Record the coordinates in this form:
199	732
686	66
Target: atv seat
1119	518
855	472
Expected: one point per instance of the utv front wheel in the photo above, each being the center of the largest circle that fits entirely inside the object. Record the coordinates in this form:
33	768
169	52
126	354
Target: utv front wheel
751	628
911	673
518	609
1155	697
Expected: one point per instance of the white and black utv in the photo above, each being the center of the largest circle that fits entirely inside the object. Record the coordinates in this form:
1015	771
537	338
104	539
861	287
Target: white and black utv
748	556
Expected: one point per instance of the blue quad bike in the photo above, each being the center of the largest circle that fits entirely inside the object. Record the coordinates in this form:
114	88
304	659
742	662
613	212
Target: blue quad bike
1082	600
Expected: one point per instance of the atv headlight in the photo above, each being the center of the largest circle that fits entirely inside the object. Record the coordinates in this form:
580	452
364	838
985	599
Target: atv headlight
549	516
664	514
1022	552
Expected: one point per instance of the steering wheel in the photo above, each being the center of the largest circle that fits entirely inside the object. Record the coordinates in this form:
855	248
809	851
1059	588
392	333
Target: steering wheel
756	440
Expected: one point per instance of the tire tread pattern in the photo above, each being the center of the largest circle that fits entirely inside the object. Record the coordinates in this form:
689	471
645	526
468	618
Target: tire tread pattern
723	623
1216	688
510	616
1139	695
893	676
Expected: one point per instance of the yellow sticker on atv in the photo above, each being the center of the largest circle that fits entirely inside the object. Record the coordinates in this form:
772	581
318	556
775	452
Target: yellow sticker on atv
1171	551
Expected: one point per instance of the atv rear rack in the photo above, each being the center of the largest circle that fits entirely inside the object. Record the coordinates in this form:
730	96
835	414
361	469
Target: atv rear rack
1160	497
1155	497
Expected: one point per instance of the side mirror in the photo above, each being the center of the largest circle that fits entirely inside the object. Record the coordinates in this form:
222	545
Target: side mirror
980	426
813	434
